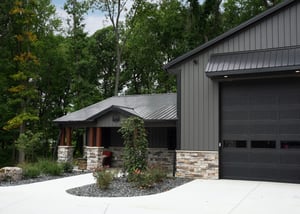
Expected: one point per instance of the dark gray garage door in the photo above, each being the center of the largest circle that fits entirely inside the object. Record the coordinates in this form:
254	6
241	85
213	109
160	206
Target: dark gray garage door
260	130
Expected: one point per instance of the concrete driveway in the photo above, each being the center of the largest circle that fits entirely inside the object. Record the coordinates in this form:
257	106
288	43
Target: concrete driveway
198	196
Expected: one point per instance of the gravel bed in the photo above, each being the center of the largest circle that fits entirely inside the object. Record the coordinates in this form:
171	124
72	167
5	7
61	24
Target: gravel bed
38	179
121	188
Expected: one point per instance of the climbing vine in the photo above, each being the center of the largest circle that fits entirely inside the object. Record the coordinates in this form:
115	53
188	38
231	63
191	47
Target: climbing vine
135	144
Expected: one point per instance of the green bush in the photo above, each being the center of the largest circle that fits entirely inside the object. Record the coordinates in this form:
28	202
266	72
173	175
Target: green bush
158	173
67	167
147	178
49	167
30	170
103	178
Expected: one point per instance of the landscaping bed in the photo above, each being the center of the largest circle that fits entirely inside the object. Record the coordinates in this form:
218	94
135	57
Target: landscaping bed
121	188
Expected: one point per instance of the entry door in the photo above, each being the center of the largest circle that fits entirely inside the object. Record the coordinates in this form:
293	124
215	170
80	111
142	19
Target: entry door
260	130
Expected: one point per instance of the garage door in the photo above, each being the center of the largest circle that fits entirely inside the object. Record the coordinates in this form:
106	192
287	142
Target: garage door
260	130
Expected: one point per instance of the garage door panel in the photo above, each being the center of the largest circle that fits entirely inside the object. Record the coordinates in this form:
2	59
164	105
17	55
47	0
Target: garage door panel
235	157
264	157
266	115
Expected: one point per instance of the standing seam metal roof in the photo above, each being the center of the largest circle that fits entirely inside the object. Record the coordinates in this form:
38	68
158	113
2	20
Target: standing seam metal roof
258	61
147	107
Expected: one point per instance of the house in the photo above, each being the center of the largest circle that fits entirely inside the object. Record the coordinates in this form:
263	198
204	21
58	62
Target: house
100	123
239	101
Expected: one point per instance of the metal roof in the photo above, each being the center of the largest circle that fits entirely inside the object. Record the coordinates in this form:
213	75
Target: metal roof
228	33
148	107
258	61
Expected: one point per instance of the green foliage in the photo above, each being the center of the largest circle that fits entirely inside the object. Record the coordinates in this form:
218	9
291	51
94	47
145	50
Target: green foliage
147	178
30	170
50	167
136	144
67	167
31	144
103	178
239	11
6	158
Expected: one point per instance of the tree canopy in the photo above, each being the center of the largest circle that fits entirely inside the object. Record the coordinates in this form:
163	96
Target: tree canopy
48	72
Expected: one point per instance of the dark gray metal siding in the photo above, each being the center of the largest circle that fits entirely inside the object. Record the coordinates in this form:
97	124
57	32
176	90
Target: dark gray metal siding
199	95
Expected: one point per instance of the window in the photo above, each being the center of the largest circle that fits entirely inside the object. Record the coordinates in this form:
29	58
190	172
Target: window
234	143
263	144
290	144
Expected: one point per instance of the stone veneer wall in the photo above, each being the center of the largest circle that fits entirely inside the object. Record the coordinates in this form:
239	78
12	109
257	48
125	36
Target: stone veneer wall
94	157
65	154
197	164
156	156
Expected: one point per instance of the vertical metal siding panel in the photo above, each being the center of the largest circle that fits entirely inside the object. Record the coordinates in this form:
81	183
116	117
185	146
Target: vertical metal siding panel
281	29
263	35
275	32
252	38
192	106
184	105
206	108
298	23
201	102
241	41
196	103
287	28
216	117
293	23
257	37
269	33
247	41
226	46
230	45
236	43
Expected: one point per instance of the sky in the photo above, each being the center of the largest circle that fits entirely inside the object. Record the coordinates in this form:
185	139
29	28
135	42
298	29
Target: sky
93	20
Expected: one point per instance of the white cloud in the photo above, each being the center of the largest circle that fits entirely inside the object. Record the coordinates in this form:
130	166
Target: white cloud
95	22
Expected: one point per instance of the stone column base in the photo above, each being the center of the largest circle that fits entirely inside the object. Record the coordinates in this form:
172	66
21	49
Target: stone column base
94	157
65	154
197	164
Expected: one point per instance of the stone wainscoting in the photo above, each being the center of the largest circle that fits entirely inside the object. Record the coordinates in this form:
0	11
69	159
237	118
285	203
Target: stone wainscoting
156	156
65	154
197	164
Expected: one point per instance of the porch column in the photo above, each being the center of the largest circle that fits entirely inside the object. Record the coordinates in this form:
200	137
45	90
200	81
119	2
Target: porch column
69	136
94	150
98	137
62	137
65	148
91	137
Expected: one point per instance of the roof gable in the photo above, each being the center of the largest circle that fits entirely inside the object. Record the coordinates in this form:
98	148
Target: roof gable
229	33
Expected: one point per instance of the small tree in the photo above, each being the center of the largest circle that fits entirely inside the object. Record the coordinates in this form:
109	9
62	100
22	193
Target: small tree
31	144
136	143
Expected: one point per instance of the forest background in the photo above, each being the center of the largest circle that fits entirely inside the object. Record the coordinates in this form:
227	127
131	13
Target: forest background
48	70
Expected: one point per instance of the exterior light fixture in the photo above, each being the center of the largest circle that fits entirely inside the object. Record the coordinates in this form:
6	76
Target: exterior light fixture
225	76
297	71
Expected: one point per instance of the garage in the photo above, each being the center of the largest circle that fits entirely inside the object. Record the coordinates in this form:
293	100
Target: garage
260	129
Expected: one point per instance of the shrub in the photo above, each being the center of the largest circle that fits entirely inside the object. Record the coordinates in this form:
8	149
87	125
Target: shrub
31	144
30	170
135	144
67	167
49	167
103	178
147	178
158	173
